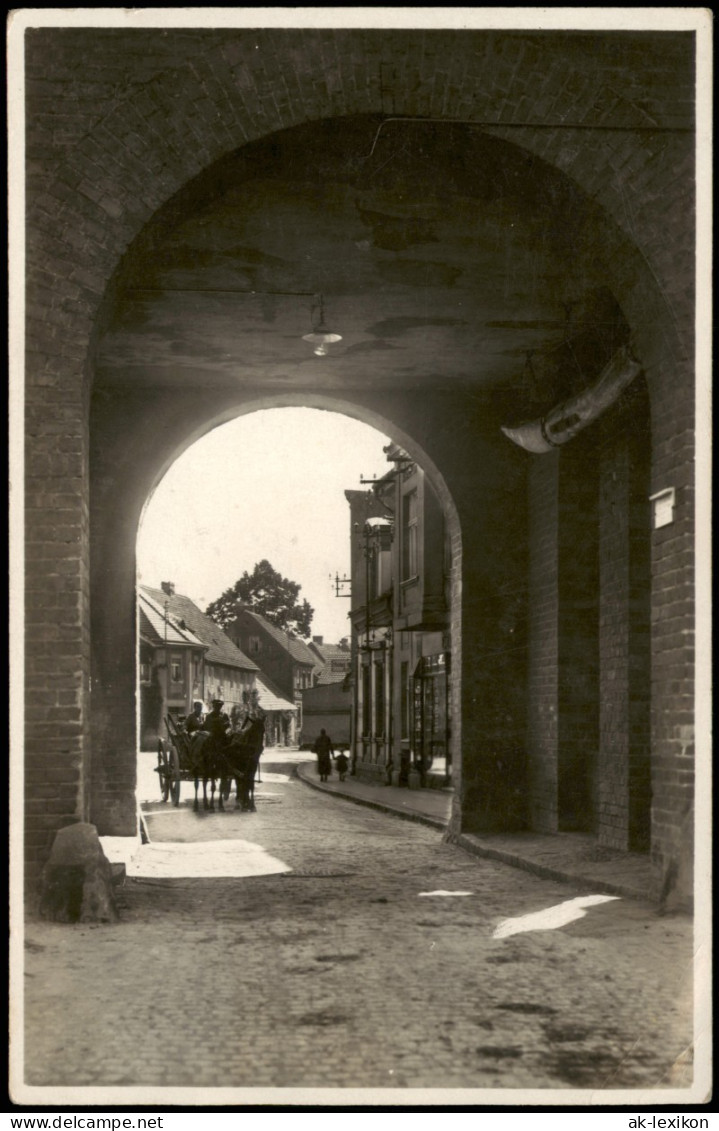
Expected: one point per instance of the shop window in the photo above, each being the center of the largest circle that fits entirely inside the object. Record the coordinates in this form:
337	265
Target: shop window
366	700
379	698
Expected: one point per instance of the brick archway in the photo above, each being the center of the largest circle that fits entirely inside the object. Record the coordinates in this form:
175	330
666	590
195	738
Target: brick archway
191	97
174	108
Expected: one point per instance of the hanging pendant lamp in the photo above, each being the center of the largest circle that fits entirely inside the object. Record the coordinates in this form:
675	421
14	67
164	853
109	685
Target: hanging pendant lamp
321	337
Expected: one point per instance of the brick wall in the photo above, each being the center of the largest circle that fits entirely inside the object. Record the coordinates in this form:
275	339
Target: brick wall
562	707
57	604
672	625
625	786
493	674
578	692
543	637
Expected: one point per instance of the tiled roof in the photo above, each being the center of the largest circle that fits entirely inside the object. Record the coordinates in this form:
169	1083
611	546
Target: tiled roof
328	651
269	698
297	649
336	668
159	629
220	649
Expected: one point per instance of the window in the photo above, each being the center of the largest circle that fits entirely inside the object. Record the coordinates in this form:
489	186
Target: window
254	644
409	535
144	672
176	671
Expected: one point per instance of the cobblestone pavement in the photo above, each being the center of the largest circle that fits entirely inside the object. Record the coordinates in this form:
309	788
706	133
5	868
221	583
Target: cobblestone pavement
340	973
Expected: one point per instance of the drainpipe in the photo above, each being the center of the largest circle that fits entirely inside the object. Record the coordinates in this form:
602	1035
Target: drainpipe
167	667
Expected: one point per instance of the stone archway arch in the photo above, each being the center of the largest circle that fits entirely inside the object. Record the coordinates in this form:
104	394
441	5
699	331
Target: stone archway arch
327	402
199	94
112	802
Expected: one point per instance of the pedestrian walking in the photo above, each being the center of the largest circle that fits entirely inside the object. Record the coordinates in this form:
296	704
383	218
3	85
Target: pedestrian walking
323	750
342	763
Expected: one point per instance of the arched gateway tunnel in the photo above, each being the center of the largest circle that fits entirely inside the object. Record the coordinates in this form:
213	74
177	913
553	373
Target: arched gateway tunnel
492	220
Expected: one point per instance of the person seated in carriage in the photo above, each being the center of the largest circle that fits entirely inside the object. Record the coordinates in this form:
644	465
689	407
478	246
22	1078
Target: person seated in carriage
195	721
217	722
238	718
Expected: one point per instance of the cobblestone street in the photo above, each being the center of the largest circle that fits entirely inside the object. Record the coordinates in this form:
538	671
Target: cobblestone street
346	971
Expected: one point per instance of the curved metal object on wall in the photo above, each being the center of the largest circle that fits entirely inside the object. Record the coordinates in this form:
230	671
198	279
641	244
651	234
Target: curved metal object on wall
565	420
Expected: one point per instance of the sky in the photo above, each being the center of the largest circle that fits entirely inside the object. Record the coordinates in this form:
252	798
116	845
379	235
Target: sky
267	485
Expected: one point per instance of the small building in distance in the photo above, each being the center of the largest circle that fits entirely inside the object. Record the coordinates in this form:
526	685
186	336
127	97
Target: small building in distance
328	705
280	714
283	657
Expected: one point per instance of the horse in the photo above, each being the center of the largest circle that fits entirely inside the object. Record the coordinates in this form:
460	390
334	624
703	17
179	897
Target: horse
204	767
241	759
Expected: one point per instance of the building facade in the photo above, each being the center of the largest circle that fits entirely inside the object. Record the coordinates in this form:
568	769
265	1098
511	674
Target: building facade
210	666
401	640
282	656
170	670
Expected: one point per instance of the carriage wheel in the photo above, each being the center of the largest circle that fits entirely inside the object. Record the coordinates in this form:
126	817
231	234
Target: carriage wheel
175	780
163	770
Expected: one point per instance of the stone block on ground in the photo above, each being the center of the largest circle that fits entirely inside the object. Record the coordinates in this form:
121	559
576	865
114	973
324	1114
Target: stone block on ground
77	881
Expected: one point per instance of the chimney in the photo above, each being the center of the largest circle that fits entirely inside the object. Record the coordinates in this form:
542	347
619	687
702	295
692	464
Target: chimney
317	639
168	587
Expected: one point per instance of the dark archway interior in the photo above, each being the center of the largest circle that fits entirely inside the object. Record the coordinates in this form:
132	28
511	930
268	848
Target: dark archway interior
444	257
468	283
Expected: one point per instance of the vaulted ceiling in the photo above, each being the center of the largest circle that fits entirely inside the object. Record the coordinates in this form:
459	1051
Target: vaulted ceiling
444	257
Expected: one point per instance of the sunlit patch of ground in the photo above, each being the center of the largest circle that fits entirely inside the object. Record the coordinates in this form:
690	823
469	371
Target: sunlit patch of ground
550	918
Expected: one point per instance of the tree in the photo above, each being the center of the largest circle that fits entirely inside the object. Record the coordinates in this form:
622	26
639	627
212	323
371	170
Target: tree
268	593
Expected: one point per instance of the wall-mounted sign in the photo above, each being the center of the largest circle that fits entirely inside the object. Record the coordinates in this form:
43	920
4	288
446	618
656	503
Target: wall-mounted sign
663	507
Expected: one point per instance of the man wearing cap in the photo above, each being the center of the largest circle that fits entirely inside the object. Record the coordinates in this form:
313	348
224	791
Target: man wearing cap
217	722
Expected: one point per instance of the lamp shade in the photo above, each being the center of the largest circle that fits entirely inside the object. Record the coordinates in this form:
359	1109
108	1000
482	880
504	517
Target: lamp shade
321	336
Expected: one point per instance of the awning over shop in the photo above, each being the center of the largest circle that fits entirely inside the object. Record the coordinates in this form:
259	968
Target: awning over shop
271	700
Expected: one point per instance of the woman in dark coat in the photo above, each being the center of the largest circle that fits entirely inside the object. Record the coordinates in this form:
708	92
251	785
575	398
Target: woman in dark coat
323	750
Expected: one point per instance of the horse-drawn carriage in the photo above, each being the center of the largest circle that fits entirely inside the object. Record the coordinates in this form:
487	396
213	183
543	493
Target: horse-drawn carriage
200	757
